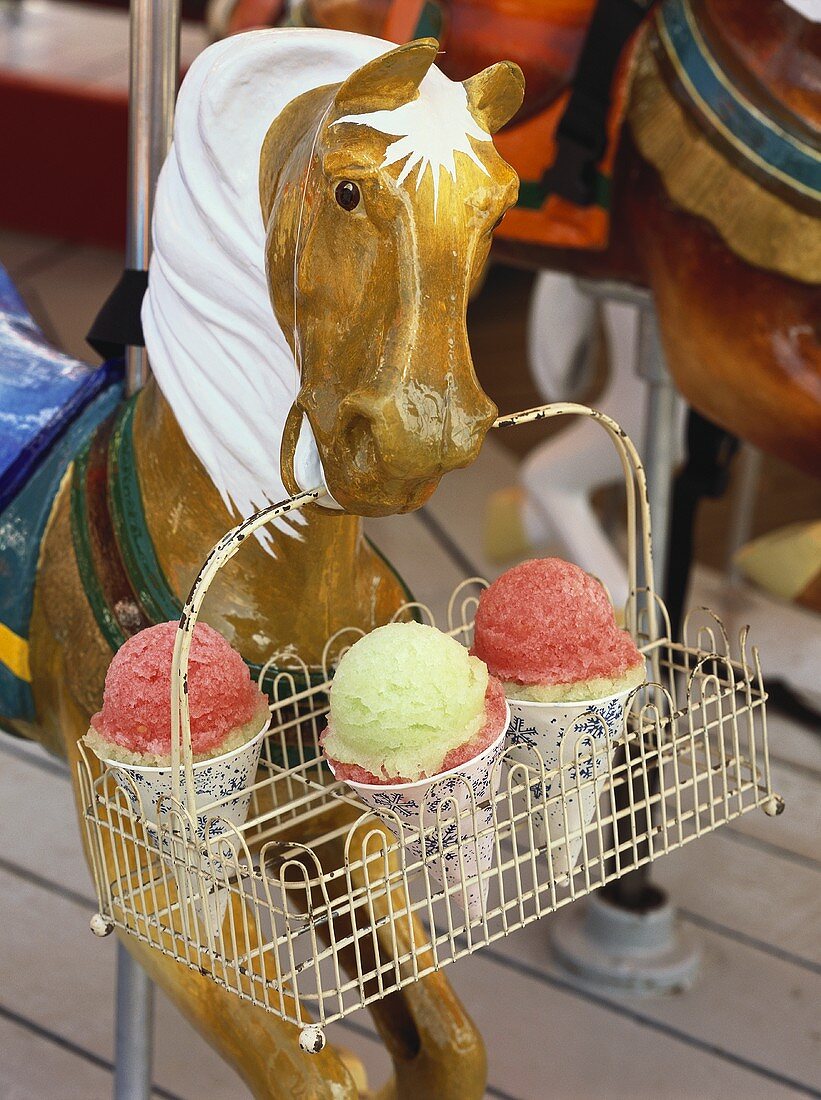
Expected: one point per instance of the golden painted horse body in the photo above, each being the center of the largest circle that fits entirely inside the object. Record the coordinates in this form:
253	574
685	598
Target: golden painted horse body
368	267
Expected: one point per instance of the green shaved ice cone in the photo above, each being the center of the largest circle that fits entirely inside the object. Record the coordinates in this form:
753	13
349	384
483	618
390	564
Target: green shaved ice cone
402	698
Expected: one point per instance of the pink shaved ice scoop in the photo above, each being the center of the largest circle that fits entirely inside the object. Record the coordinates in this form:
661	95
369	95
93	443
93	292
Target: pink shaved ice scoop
136	713
548	622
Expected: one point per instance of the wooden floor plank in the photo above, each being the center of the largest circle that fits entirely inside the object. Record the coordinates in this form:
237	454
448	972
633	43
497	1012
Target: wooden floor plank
545	1040
796	743
749	893
65	984
759	1010
40	829
798	829
34	1068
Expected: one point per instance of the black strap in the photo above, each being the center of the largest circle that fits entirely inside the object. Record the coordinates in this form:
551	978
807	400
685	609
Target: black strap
581	136
118	324
706	473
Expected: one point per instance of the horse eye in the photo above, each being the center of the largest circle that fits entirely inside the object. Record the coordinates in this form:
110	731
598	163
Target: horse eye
347	195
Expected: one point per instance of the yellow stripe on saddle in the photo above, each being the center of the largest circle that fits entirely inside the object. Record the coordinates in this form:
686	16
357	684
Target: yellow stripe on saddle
14	653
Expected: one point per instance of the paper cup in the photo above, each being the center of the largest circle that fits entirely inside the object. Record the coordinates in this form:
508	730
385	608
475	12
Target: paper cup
554	729
227	777
436	812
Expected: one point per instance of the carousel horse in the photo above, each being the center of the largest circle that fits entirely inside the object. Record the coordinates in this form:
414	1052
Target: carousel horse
684	157
355	191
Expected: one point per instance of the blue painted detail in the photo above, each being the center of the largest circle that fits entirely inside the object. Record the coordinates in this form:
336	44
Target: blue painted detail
768	146
49	405
41	391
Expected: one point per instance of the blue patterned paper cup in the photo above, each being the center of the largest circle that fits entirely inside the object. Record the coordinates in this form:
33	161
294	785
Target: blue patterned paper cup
576	737
450	816
224	779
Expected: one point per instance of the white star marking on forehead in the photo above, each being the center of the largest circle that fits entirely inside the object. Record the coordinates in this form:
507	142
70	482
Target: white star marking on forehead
429	130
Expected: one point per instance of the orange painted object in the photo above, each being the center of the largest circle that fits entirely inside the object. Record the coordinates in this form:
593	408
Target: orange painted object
545	39
530	147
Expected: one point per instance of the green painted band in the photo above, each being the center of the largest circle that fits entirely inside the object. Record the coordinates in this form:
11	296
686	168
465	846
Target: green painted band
130	527
430	22
103	615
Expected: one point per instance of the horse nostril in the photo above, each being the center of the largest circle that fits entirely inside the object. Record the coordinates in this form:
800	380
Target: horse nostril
360	442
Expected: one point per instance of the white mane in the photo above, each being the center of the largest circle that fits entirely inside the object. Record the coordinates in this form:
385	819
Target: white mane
216	349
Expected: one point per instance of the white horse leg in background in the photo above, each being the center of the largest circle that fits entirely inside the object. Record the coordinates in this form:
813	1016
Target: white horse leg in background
560	476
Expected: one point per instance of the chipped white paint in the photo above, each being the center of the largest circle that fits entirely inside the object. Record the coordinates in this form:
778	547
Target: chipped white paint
430	131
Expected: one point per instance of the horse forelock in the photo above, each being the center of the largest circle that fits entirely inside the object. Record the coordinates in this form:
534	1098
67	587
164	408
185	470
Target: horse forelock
429	131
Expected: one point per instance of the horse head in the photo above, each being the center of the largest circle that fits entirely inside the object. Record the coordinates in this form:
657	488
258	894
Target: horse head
378	222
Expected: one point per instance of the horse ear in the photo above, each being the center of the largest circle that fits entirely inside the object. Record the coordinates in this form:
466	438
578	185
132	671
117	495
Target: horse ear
495	94
388	81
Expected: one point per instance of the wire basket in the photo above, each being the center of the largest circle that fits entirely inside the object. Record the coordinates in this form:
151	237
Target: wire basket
313	908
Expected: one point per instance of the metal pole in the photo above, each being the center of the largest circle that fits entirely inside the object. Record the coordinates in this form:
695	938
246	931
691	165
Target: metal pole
134	1030
743	510
659	452
154	68
153	79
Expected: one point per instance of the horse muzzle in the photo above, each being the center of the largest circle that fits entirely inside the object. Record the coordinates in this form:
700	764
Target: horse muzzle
387	457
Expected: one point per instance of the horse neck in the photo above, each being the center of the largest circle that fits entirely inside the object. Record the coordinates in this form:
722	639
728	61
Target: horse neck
287	596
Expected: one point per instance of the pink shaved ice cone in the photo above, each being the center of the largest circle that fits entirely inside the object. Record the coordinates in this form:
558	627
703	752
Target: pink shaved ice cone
131	734
548	630
224	780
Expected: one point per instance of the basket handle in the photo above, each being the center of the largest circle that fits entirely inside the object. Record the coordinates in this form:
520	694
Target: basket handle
219	556
638	507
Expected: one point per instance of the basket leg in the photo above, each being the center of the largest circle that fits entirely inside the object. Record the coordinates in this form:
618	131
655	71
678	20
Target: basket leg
134	1029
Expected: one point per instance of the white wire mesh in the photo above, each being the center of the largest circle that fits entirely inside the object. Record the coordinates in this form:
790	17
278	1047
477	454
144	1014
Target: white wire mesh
324	910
